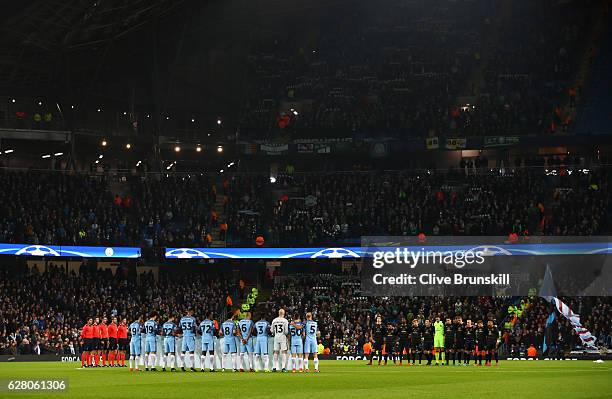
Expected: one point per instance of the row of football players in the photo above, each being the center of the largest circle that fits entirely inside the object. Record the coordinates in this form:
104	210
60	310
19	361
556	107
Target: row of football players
449	340
244	343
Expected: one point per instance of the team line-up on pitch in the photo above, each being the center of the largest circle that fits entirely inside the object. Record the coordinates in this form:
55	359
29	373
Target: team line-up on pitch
244	344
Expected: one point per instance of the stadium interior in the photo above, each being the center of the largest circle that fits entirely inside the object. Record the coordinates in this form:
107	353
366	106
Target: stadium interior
223	160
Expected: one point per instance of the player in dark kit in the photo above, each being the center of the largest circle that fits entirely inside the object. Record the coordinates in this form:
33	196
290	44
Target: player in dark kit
403	339
481	342
492	340
377	336
459	344
470	342
428	341
449	340
416	341
389	343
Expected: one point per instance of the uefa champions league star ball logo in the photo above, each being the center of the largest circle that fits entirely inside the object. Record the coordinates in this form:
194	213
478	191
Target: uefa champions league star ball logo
37	250
186	253
109	252
491	250
334	253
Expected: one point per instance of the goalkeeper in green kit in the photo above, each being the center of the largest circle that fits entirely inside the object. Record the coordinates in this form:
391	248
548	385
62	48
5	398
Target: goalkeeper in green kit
439	340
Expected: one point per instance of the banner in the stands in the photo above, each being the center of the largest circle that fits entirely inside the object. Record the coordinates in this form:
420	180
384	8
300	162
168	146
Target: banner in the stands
501	141
456	143
359	252
432	143
69	251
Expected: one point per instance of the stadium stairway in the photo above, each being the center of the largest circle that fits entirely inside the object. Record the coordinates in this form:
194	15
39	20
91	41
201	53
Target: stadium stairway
218	208
262	299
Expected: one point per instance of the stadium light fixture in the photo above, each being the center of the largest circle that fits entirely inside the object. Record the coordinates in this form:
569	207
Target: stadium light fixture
97	161
138	163
46	156
219	148
100	156
198	148
104	143
272	179
40	103
219	121
13	100
8	151
99	109
208	134
221	171
177	149
58	154
124	113
128	146
72	107
192	120
167	118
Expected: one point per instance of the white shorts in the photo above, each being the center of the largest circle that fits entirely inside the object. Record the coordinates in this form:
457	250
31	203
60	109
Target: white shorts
280	344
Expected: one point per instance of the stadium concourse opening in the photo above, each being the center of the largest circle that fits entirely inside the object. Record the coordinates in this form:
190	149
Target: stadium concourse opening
315	199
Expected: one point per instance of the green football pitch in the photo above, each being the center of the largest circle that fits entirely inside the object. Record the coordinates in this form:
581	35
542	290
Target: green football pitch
338	379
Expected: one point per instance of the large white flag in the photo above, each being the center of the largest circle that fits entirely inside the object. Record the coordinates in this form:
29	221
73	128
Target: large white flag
585	335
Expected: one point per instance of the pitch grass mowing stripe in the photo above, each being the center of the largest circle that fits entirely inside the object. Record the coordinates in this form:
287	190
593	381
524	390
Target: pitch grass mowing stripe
338	380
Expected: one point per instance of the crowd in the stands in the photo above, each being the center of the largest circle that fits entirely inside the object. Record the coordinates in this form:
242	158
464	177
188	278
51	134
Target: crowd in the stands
302	208
327	208
346	316
452	68
43	312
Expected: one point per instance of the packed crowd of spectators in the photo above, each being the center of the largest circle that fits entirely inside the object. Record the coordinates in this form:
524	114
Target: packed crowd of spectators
302	209
56	208
43	312
400	69
345	316
327	208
